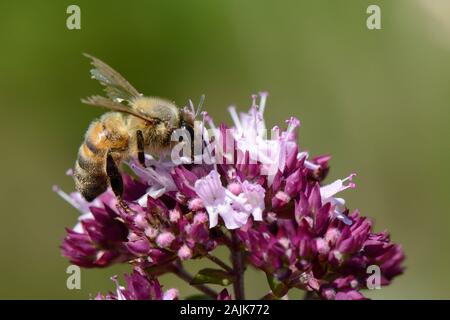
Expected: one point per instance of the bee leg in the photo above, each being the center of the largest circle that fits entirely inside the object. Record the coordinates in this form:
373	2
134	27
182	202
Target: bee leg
140	147
190	131
116	182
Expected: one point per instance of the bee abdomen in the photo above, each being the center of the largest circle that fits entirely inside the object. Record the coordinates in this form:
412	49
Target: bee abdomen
90	176
92	182
103	137
89	172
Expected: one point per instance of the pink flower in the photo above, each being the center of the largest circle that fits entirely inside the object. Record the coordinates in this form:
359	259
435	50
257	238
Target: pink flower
266	195
327	192
218	201
139	287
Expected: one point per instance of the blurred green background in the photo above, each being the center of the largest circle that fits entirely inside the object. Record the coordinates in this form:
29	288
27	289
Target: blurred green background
377	101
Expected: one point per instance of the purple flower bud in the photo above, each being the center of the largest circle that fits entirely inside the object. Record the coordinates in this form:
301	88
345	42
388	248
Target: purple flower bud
235	188
184	252
322	246
184	181
151	232
196	204
280	199
332	235
139	287
141	221
200	218
165	239
294	183
174	215
139	247
171	294
224	295
328	294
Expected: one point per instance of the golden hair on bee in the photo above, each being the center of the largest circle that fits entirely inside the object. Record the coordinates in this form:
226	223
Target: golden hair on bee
136	125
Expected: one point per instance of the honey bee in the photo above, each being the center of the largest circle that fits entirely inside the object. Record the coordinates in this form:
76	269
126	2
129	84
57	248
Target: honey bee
136	125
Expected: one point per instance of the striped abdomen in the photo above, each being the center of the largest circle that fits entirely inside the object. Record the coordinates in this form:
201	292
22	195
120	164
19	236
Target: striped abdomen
108	135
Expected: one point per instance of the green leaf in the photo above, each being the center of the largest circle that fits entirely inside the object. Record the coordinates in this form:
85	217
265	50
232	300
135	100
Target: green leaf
279	289
214	276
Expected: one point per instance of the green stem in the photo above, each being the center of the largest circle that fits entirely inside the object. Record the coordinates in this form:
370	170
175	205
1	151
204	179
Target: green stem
238	269
219	263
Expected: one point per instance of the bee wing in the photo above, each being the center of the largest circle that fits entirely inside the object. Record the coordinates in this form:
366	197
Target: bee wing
107	103
117	87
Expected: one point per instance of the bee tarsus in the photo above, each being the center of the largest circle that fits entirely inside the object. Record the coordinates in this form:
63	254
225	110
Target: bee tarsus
122	205
140	147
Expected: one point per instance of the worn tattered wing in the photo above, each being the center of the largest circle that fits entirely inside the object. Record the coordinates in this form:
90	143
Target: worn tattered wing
117	88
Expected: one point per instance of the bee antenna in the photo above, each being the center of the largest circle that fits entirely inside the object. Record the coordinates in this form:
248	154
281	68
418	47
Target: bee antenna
191	105
200	105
